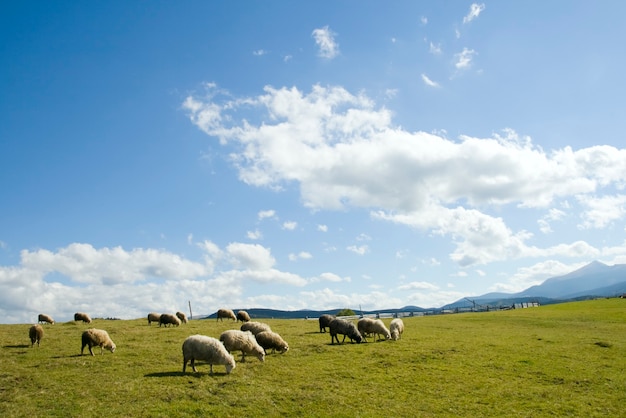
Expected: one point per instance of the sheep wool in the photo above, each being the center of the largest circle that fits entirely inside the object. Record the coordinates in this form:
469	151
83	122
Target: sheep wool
372	326
244	341
81	316
225	313
209	349
169	319
272	340
344	327
324	320
97	338
153	317
45	319
255	327
181	315
243	316
35	333
396	328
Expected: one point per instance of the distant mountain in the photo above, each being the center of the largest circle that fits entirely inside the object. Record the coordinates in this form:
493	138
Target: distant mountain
257	313
593	280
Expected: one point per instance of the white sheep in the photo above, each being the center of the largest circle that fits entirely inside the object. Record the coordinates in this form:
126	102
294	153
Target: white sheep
81	316
225	313
45	319
243	316
168	319
97	338
244	341
270	339
345	327
209	349
255	327
153	317
397	328
35	333
181	315
372	326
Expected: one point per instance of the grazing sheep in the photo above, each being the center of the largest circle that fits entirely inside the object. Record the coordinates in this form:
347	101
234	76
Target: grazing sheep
324	321
96	337
372	326
81	316
225	313
45	319
209	349
397	328
244	341
182	317
168	319
270	339
345	327
35	333
243	316
153	317
255	327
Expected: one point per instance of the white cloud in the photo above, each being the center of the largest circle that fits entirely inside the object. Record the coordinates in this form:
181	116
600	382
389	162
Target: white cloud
256	234
264	214
428	81
434	49
290	225
418	285
325	40
360	249
259	52
464	58
424	20
302	255
601	211
343	151
475	10
322	228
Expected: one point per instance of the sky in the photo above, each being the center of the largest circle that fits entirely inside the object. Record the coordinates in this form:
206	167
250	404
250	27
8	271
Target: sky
304	155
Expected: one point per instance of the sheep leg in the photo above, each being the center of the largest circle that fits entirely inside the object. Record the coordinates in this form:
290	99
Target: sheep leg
211	369
344	339
193	365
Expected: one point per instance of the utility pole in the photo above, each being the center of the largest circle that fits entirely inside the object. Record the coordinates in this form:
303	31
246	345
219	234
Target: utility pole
190	314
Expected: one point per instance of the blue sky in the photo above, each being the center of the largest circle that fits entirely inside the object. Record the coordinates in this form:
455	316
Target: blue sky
304	155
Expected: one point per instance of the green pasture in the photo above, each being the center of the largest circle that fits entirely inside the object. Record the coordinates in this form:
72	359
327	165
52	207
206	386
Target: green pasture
558	360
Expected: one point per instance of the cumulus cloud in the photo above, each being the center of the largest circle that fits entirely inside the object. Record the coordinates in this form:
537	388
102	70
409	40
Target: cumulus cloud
290	225
344	151
325	41
114	282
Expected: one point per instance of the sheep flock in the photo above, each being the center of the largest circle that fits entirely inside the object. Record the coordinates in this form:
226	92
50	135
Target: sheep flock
252	338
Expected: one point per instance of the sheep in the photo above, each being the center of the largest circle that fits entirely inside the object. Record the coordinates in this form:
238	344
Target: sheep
153	317
324	321
81	316
209	349
97	337
345	327
244	341
45	319
270	339
372	326
35	333
255	327
225	313
243	316
168	319
397	328
182	317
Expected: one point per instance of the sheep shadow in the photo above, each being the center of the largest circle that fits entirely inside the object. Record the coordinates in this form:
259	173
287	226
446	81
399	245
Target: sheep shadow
17	346
185	374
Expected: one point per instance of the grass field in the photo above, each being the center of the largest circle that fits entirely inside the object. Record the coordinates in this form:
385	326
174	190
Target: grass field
558	360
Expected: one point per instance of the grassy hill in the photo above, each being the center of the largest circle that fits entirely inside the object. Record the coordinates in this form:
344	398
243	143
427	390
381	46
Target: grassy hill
558	360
